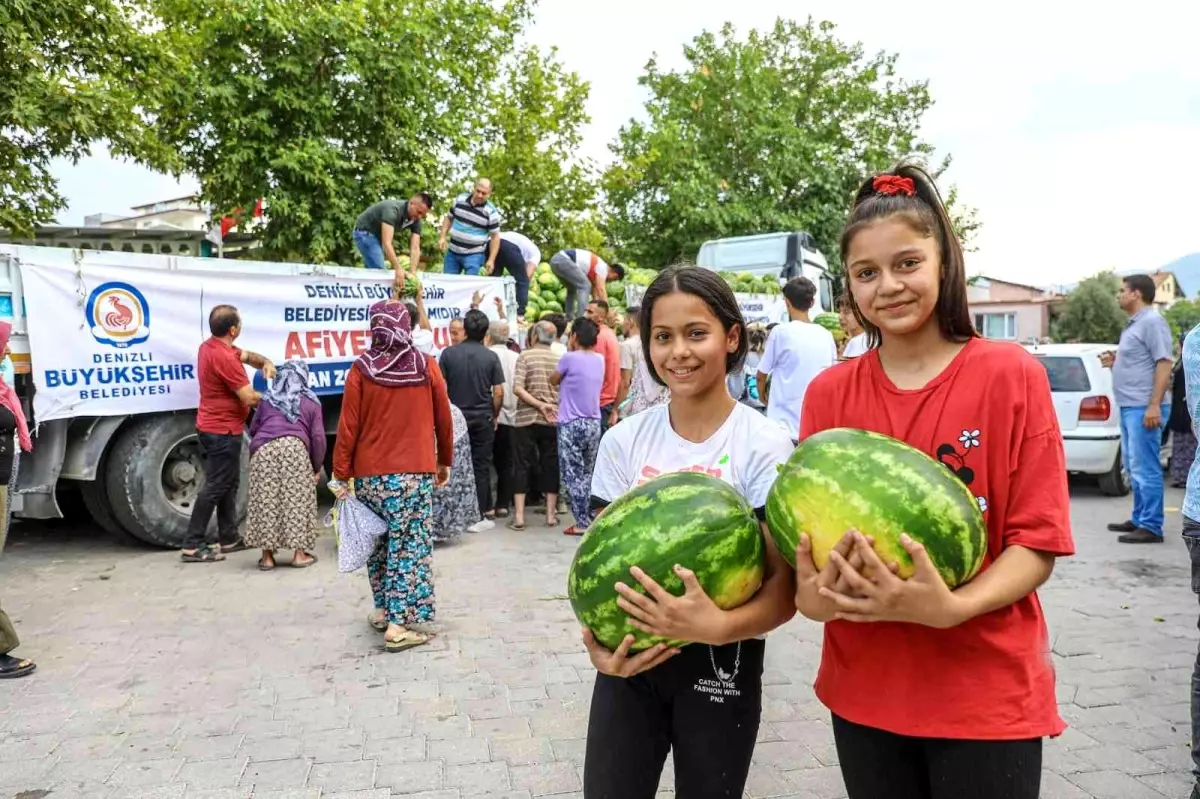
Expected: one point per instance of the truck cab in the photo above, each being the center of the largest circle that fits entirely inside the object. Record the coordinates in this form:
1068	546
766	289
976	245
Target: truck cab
782	255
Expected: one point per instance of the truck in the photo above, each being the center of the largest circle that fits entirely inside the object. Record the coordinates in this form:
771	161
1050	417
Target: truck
104	349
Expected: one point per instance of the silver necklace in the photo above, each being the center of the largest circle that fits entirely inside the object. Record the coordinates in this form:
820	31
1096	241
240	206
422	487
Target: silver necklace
723	675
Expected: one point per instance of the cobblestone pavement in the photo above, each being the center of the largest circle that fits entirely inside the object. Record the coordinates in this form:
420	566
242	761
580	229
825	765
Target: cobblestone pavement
159	679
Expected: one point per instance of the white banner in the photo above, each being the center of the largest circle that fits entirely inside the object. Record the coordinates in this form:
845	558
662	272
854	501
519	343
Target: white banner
112	340
757	309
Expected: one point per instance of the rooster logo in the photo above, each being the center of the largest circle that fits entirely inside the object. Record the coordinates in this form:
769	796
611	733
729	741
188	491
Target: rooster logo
118	315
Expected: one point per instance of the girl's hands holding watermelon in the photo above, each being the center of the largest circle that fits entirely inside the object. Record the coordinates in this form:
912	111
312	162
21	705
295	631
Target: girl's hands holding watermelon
923	598
618	663
691	617
810	582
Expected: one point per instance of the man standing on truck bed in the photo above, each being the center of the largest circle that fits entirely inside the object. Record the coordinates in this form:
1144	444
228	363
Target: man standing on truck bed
375	227
473	227
226	397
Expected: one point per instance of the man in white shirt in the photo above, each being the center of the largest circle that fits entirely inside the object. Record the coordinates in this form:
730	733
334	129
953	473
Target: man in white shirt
520	257
797	351
502	444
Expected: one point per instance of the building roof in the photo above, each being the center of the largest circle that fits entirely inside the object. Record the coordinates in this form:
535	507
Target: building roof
1011	283
171	200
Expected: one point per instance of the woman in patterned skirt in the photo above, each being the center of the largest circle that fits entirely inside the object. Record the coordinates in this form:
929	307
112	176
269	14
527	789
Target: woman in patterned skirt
394	396
14	437
287	450
456	504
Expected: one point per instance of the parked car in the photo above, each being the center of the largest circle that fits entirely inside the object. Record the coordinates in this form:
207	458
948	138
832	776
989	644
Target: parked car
1087	412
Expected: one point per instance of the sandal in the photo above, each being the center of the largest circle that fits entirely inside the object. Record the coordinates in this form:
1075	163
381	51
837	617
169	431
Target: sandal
263	567
513	525
311	560
410	639
236	546
572	530
203	555
380	623
552	522
502	513
11	667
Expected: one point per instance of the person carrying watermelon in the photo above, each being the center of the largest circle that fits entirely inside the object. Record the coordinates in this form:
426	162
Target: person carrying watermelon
703	700
937	693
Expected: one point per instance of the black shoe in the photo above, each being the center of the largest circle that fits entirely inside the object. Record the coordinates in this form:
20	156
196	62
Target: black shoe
1140	536
1123	527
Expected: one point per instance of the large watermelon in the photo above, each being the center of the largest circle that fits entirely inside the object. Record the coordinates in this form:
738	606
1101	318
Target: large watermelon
548	281
689	518
843	479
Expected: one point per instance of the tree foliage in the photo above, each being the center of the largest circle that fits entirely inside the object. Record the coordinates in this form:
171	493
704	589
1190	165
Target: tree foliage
325	108
71	74
771	133
1091	314
528	149
1183	316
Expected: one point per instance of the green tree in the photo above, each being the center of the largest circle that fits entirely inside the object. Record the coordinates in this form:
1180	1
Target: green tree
537	110
771	133
71	74
325	108
1183	316
1091	314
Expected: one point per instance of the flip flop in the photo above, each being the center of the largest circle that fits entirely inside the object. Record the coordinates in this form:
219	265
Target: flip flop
201	556
11	668
379	624
552	523
406	641
262	567
305	564
514	526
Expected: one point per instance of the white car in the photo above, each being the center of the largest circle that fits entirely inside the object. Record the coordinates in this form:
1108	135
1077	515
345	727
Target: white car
1087	412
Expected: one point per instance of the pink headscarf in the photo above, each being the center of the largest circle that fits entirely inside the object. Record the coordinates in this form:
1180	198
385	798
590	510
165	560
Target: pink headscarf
8	395
392	359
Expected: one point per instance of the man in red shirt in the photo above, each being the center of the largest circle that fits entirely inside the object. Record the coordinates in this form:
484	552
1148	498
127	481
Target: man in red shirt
226	397
607	346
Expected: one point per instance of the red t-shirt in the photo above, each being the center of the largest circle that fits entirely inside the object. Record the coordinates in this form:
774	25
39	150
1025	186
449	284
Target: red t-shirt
607	346
221	374
990	419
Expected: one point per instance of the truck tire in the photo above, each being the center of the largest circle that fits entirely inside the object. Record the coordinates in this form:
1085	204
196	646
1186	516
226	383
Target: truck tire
153	475
1114	482
95	499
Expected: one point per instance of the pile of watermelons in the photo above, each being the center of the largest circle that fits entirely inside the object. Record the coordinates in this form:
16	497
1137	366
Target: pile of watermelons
744	283
547	294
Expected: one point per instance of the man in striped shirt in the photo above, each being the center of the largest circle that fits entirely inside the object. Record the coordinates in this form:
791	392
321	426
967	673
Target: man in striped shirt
473	227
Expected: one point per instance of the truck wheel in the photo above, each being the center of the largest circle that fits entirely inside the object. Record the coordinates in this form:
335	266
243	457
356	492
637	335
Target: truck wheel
95	499
1114	482
154	475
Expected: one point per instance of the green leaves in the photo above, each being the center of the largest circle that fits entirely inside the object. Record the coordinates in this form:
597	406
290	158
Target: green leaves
1092	315
771	132
71	73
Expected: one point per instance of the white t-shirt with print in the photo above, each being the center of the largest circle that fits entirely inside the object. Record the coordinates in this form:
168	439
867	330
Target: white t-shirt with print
744	452
796	353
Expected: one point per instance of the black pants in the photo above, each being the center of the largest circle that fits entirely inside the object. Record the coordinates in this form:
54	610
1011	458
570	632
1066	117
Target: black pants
222	473
536	449
684	707
503	456
882	765
605	413
482	432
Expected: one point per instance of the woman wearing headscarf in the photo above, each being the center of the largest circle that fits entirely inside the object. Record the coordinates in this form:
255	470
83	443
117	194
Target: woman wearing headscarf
287	450
1183	440
394	396
14	438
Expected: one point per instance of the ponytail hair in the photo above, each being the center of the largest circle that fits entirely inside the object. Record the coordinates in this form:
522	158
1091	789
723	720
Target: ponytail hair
909	193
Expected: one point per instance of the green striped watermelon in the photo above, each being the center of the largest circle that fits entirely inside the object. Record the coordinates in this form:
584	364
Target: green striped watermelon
689	518
844	479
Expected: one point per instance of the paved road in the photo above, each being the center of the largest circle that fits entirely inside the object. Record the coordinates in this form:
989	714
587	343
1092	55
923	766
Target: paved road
159	679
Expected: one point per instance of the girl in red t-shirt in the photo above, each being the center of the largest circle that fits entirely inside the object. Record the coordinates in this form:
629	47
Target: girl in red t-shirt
937	694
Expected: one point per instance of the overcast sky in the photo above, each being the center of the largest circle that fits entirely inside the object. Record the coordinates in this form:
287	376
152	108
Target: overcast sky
1077	137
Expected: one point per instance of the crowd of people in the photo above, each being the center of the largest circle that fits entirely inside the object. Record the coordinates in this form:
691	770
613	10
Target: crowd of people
564	413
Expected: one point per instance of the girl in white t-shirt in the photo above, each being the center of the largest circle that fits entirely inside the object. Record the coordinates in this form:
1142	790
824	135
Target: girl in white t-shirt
703	700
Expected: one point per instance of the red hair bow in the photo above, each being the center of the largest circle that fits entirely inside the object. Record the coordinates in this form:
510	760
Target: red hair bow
891	185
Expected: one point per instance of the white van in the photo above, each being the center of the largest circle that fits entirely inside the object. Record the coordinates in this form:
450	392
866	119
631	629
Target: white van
784	255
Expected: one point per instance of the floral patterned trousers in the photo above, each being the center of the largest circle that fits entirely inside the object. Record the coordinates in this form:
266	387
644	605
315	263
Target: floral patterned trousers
578	442
401	567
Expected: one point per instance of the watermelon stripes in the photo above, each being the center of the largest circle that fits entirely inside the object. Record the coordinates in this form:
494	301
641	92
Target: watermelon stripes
697	521
842	479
